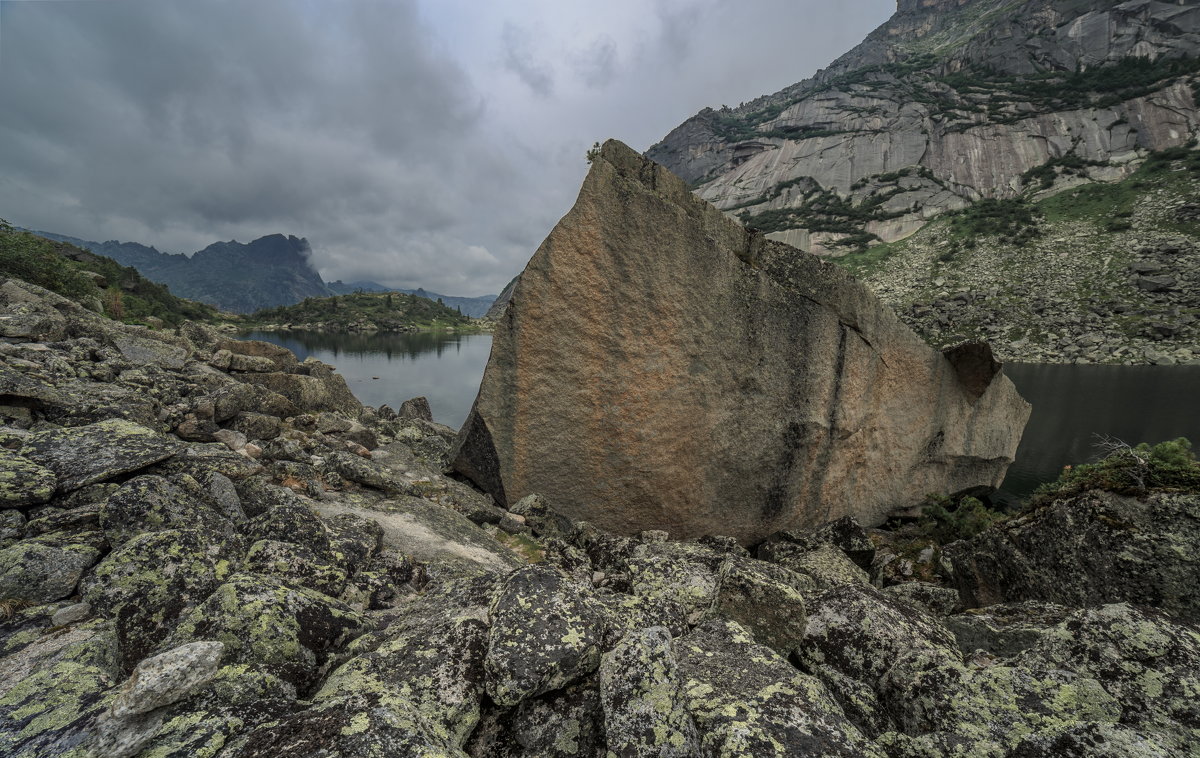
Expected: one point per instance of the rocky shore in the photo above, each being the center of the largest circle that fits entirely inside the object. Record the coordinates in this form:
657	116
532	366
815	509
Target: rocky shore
210	549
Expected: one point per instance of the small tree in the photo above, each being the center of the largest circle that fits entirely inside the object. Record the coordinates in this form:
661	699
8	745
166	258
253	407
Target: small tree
594	153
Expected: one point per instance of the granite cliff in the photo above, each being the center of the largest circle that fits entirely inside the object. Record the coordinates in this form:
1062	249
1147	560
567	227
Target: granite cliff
660	367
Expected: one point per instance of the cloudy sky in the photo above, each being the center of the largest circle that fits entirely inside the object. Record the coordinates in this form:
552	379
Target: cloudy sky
413	142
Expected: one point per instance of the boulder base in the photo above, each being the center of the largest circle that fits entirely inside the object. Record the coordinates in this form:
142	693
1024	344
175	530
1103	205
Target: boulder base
661	367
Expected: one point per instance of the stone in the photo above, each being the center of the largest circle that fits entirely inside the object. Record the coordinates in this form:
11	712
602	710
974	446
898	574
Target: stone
1096	547
544	634
563	723
23	482
141	350
415	408
747	700
845	533
40	570
52	712
168	677
641	690
257	426
83	455
296	565
720	368
825	565
765	600
71	614
290	631
150	503
318	390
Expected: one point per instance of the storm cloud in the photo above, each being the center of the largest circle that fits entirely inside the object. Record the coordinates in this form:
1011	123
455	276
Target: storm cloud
413	144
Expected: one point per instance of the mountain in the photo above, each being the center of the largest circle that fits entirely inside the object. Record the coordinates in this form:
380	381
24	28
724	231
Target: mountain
475	307
338	287
98	282
270	271
951	103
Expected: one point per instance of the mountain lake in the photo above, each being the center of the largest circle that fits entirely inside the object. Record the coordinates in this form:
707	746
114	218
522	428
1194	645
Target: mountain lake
1073	405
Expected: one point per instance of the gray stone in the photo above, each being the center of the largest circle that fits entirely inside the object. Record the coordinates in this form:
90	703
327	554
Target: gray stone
71	614
41	570
23	482
96	452
643	698
168	677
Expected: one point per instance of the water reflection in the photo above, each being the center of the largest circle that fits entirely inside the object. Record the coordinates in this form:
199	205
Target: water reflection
390	368
1073	404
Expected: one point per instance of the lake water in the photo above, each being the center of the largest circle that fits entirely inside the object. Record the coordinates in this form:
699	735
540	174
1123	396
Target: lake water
1071	404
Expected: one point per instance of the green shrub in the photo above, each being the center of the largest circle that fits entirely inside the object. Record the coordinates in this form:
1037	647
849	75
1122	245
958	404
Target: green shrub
944	520
1128	470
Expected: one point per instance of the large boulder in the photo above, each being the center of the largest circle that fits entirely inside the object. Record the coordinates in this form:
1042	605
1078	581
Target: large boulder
661	367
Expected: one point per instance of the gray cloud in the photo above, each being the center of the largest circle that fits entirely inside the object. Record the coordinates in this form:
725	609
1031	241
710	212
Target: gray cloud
391	133
519	59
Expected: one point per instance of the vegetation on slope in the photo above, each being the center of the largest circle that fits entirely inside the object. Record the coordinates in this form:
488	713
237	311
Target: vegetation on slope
100	283
367	311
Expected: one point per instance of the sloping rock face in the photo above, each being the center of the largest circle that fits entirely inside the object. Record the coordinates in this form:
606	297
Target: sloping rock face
661	367
945	103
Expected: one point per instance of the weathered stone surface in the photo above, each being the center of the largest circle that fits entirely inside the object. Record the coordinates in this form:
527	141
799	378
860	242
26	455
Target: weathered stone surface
23	482
747	700
168	677
642	694
766	600
51	713
44	569
289	630
1097	547
718	368
151	503
87	454
544	634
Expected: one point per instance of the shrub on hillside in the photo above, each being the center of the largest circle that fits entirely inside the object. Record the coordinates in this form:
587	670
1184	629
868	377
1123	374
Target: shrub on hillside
1128	470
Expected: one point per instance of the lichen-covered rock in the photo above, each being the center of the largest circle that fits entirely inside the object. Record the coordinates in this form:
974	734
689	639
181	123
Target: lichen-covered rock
152	503
149	582
44	569
677	574
23	482
318	390
765	599
544	633
642	694
1006	629
1146	660
197	459
566	723
288	630
825	565
354	540
747	700
256	426
999	704
350	726
1092	740
940	601
52	711
1097	547
96	452
618	408
12	527
844	533
432	665
295	564
167	678
367	473
291	521
542	518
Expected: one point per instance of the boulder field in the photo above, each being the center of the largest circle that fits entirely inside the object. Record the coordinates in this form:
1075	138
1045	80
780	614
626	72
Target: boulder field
211	550
661	367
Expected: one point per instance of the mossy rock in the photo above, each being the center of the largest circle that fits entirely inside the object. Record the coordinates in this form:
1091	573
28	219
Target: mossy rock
45	569
765	599
97	452
289	631
641	690
51	712
296	565
566	723
747	700
23	482
152	503
545	633
148	583
294	522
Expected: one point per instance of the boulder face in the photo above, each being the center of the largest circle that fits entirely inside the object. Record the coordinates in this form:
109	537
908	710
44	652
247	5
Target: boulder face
660	367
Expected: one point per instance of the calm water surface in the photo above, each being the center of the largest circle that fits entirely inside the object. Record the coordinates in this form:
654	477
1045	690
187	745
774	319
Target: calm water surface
391	368
1071	404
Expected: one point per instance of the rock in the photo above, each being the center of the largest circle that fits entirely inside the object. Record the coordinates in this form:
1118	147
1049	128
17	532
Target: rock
288	630
257	426
250	363
747	700
1004	629
939	601
543	519
544	634
367	473
151	503
645	710
52	711
152	580
318	390
765	600
296	565
563	723
141	351
431	534
1091	740
1164	283
1096	547
41	570
97	452
230	439
845	533
167	678
415	408
785	404
826	566
23	482
71	614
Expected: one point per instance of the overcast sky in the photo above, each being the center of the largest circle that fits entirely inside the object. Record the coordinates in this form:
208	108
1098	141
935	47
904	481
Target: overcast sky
413	142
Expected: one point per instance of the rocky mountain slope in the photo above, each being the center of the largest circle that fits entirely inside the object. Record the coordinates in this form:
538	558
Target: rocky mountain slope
236	277
949	103
210	549
475	307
